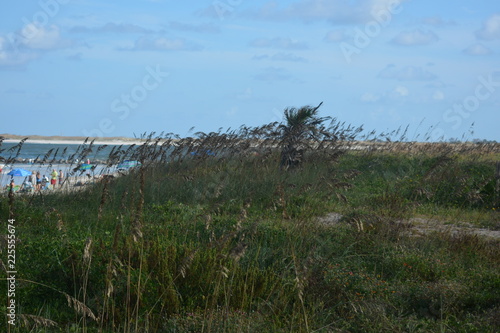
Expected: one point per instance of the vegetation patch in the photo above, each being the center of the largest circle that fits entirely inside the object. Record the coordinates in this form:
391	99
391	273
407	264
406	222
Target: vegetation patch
259	237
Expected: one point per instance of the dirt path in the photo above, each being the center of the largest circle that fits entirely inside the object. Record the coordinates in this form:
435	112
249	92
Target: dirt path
421	226
418	226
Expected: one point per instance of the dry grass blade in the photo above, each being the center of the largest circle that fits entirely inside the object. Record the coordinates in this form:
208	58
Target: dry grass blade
341	197
208	221
186	263
137	230
11	201
110	273
60	223
238	251
79	307
87	253
36	321
300	283
104	196
224	271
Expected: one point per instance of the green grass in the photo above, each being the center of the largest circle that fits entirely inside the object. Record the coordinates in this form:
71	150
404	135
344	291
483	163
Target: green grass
230	245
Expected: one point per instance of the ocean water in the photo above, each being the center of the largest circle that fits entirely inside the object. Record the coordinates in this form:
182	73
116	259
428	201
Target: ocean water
33	150
29	152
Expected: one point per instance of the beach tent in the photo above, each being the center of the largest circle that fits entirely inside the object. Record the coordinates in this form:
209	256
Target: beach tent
19	172
86	166
207	152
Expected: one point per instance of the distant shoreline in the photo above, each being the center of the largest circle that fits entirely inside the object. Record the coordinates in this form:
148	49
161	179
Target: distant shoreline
75	142
69	140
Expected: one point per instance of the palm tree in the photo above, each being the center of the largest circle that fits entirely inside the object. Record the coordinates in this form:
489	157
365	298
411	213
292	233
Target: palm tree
302	127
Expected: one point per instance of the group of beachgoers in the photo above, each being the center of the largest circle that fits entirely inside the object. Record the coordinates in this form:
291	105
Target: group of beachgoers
36	182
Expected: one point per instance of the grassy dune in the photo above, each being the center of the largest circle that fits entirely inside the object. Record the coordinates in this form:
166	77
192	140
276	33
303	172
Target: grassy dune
231	243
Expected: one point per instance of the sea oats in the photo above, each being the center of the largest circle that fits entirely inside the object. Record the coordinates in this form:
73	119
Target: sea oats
80	307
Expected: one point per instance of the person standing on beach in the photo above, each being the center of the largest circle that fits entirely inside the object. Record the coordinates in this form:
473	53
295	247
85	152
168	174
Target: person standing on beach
53	178
45	180
33	179
61	178
38	181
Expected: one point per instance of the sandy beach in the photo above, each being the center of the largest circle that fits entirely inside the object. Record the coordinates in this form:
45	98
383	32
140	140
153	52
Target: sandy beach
71	184
32	151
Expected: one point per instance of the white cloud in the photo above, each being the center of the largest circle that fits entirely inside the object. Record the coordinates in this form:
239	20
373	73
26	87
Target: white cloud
41	38
245	95
261	57
3	53
29	43
490	29
11	60
399	93
336	36
278	43
334	11
402	91
281	56
75	57
232	112
112	27
272	74
162	44
477	49
201	28
370	97
389	114
408	73
436	21
309	10
376	6
415	37
438	95
15	91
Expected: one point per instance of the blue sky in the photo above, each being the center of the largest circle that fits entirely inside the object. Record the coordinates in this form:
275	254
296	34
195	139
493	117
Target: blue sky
119	68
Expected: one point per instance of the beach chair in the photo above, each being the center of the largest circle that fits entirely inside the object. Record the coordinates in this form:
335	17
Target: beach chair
16	188
27	188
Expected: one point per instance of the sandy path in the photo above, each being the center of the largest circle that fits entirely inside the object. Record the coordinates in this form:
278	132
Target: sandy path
417	226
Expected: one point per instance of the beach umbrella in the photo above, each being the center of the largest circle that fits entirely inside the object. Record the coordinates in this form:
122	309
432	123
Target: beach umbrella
128	164
19	172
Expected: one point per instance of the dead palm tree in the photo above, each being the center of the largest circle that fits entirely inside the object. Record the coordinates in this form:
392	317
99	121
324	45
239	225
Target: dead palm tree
302	128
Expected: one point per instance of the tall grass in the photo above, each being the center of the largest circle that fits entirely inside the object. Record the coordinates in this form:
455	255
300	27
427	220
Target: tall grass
209	235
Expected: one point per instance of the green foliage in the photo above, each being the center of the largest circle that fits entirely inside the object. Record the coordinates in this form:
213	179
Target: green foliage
232	244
